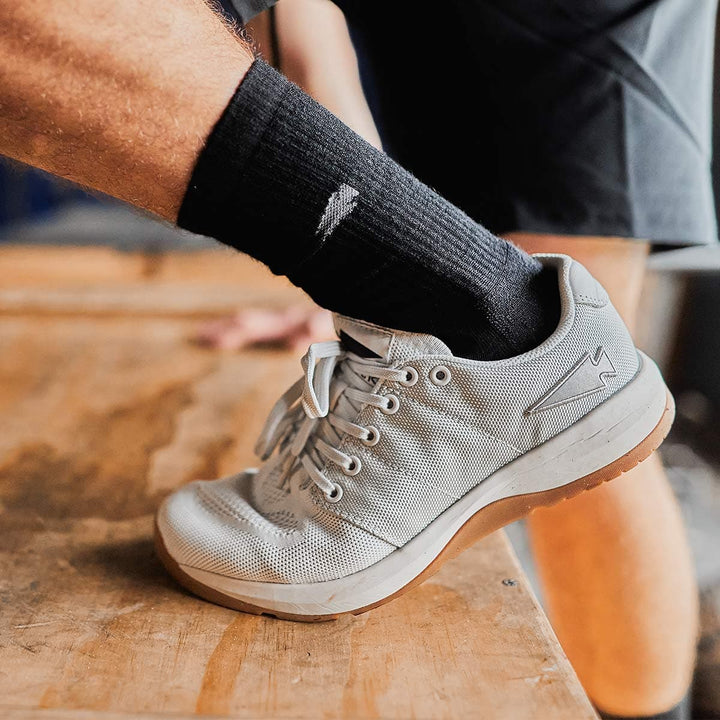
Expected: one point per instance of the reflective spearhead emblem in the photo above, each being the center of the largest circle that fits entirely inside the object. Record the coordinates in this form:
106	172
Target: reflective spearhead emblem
588	376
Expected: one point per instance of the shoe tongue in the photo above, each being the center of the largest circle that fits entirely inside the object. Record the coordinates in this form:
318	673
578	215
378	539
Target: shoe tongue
391	346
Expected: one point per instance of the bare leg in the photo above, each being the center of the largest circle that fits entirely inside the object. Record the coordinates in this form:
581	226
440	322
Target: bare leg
117	96
615	563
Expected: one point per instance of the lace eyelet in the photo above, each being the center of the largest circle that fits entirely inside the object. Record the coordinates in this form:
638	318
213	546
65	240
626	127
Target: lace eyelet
373	435
411	376
354	467
440	376
335	495
392	405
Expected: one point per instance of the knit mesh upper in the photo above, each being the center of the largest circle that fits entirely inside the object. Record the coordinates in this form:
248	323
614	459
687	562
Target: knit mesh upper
443	440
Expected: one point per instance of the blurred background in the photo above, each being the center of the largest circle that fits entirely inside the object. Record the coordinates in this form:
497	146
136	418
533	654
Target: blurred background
681	299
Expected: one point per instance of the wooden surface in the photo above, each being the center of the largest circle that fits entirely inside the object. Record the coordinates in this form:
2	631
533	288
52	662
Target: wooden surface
105	406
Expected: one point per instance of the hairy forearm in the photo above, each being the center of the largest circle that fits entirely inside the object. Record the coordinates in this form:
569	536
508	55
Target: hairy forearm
116	96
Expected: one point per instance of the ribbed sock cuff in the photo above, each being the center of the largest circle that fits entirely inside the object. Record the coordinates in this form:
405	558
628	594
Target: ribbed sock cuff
212	205
285	181
274	159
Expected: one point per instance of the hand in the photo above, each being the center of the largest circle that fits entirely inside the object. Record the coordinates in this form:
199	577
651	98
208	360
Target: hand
294	327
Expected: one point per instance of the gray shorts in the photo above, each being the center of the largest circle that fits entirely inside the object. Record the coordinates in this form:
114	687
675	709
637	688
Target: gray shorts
582	117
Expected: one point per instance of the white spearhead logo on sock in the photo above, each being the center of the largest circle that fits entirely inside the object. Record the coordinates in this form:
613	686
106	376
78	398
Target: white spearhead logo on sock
340	204
587	377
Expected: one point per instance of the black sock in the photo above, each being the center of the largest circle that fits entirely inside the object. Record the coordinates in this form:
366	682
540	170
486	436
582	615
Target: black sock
283	180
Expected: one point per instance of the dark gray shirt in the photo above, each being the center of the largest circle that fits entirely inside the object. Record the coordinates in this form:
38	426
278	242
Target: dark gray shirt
245	10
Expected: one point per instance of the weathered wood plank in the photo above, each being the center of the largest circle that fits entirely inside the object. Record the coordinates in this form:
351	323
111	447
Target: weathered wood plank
100	282
100	418
10	713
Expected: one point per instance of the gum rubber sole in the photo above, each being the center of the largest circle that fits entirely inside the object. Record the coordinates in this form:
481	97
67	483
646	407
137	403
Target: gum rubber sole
485	521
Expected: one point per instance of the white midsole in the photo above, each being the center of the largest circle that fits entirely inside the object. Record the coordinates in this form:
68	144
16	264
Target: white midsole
602	436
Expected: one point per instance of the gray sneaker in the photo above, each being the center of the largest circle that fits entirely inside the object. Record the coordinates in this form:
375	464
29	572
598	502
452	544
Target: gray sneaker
390	456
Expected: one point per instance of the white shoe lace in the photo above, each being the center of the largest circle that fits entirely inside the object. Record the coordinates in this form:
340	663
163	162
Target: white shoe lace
335	386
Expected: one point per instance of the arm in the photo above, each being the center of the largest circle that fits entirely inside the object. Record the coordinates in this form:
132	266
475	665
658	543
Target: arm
317	54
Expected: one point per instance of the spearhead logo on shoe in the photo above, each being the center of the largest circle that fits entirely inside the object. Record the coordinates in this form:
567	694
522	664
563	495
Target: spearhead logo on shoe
587	377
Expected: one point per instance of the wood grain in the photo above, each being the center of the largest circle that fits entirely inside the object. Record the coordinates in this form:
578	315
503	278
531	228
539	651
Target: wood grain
101	416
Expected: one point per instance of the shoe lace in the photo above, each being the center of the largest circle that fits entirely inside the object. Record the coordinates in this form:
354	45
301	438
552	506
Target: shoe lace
308	422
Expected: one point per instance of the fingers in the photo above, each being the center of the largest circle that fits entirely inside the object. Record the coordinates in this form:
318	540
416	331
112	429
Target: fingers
294	327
